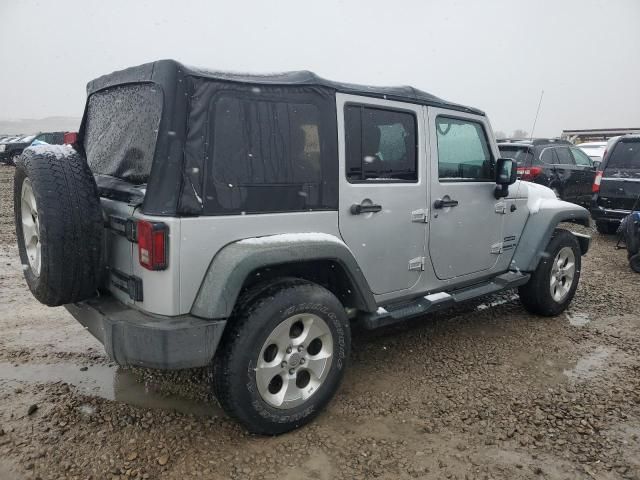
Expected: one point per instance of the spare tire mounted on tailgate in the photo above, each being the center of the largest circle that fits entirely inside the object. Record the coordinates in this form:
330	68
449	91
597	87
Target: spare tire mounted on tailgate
58	224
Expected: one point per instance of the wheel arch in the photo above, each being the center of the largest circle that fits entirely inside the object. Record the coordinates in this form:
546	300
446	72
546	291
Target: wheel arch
539	229
322	259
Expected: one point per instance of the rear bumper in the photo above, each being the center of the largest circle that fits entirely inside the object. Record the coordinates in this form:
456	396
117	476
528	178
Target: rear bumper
131	337
600	214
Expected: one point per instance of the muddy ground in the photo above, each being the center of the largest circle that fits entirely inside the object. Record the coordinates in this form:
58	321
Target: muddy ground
487	391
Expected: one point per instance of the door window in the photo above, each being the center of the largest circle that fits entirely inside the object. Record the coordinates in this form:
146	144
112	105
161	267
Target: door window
548	156
580	157
564	156
380	145
463	151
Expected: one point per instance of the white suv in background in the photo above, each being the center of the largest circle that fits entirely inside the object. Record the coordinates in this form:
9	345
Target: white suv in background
595	150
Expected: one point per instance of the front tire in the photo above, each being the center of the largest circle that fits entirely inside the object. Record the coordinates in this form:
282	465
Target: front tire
554	282
283	356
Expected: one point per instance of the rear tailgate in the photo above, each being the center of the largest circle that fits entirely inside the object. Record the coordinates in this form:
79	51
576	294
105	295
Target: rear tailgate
153	291
619	193
119	250
620	185
119	136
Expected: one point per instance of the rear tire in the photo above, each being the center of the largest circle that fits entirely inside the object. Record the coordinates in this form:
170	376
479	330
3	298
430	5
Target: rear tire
58	224
269	373
554	282
632	235
606	228
634	262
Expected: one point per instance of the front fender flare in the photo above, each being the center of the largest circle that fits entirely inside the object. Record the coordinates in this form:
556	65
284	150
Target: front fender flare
543	220
232	265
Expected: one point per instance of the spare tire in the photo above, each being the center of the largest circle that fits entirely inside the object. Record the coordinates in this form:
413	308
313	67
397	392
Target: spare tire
58	224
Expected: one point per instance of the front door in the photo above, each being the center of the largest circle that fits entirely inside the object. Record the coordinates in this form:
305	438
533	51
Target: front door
466	220
382	189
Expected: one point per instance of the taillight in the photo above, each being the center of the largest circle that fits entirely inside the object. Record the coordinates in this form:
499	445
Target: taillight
529	173
70	138
595	188
153	238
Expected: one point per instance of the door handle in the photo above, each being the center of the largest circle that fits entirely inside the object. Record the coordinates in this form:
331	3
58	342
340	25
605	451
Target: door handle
357	209
440	203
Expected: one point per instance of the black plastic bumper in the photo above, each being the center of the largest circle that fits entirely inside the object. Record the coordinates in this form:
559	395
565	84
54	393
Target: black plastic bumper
600	214
131	337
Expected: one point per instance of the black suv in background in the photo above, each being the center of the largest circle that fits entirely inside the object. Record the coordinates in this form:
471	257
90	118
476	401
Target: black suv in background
556	164
9	150
616	189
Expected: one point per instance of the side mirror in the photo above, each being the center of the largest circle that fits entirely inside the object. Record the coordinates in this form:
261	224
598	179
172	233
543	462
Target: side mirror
506	174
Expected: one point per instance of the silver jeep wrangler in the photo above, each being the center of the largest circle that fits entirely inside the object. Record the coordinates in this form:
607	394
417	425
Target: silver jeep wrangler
246	222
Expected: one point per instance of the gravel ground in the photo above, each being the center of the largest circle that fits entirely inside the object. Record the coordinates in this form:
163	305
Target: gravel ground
486	391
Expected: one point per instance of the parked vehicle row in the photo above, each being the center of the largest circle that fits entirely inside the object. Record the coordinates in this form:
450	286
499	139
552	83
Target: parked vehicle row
616	189
12	146
602	176
556	164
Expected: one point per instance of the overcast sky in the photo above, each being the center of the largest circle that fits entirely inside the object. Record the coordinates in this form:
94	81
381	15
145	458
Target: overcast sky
495	55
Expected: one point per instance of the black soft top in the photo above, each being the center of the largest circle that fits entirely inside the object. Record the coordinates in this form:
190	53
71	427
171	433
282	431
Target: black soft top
161	70
176	183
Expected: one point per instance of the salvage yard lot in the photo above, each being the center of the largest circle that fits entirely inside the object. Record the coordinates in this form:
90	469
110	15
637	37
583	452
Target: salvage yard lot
485	391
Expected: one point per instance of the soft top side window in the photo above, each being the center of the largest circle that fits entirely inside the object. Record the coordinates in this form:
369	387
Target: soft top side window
380	145
269	153
463	151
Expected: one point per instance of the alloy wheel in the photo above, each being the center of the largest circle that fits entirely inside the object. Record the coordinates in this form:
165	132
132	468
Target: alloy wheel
294	360
562	272
31	227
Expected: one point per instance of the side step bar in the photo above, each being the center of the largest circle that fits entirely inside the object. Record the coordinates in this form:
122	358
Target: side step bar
396	313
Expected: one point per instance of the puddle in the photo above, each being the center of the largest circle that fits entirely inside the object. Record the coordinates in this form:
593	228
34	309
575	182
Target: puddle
578	319
545	367
589	365
109	383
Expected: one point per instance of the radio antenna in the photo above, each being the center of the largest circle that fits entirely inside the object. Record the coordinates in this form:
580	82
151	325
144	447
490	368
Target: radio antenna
535	120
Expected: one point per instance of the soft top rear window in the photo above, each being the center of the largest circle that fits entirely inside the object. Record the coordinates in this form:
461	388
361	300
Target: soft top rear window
625	155
121	131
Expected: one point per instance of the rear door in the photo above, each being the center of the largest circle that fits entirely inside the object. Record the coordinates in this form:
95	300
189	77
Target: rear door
585	173
465	227
566	174
382	189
